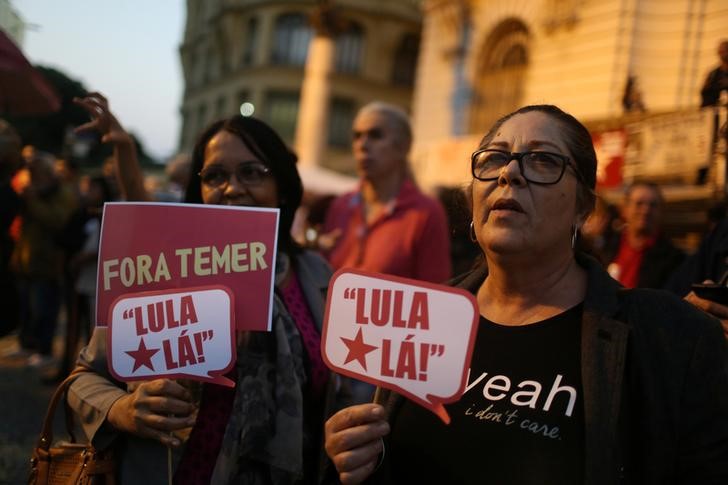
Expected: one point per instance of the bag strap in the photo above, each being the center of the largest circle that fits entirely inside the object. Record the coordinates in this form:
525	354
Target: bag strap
46	435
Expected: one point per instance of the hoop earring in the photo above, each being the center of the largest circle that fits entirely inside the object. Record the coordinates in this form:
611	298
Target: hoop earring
472	234
574	234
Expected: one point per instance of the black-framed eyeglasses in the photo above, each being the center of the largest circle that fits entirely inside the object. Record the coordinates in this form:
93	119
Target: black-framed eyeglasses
247	173
543	168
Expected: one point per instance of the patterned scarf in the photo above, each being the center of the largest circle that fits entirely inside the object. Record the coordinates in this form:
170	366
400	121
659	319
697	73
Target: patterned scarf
265	437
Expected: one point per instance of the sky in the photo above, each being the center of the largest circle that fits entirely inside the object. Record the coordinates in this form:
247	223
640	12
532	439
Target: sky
125	49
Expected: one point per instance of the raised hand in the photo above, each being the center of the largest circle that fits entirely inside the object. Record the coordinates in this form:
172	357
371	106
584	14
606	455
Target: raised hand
102	119
129	174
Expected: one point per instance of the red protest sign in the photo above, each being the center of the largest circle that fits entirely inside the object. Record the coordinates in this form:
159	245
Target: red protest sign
177	334
413	337
154	246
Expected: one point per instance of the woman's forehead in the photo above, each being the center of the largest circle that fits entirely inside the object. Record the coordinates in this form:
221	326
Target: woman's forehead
532	130
225	147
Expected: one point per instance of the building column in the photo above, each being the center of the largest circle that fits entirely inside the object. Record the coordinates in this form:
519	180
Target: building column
462	94
313	108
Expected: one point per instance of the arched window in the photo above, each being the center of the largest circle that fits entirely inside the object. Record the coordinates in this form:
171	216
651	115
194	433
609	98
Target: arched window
191	69
292	36
210	72
200	66
281	112
500	76
349	49
220	107
342	112
201	117
405	60
251	41
185	132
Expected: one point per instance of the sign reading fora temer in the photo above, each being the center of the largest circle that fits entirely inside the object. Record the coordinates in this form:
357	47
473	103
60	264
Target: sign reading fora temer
205	261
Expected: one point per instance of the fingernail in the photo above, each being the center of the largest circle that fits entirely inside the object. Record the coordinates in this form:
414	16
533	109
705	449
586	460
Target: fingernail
378	411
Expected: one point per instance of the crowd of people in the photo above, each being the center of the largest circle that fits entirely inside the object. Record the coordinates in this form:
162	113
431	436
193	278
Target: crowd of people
616	380
46	244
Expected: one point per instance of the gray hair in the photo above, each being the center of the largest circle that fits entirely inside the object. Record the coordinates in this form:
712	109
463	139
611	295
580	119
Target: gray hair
648	185
395	115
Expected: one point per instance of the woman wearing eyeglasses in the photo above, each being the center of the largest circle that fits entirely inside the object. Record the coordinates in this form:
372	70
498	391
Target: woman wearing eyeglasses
268	428
574	380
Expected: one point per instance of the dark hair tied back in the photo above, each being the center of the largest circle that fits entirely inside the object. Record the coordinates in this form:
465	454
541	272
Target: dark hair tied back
578	140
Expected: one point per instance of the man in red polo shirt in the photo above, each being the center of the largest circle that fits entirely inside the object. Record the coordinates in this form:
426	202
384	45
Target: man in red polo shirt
387	225
644	257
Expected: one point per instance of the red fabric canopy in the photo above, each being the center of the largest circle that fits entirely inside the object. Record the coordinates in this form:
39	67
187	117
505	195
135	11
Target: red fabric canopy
23	90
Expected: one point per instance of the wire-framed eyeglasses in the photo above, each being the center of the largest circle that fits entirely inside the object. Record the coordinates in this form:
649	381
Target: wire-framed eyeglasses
544	168
249	174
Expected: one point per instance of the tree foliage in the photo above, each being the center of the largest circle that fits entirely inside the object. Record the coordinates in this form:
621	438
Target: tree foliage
51	132
47	132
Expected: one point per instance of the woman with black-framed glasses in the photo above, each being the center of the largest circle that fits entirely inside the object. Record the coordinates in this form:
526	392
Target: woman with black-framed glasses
574	380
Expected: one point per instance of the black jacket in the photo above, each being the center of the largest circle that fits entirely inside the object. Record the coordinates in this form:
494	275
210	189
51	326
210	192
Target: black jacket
709	262
658	262
655	387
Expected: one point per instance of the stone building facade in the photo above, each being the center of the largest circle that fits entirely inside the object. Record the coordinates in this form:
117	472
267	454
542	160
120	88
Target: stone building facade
250	55
482	58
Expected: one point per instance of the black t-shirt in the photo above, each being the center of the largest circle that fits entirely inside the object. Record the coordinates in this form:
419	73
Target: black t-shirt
520	421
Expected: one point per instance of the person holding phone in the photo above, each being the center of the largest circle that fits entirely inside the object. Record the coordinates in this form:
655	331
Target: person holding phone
702	278
714	301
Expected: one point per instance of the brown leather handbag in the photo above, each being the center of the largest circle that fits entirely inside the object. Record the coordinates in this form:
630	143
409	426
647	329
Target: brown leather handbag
68	462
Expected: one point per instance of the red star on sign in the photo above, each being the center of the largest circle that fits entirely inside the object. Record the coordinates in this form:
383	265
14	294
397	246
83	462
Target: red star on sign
358	350
142	356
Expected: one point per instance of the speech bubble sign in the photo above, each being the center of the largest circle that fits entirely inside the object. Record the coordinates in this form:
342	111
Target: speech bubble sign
186	333
413	337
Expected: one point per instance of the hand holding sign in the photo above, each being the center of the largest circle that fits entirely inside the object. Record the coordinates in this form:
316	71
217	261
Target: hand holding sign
354	441
183	333
413	337
153	410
